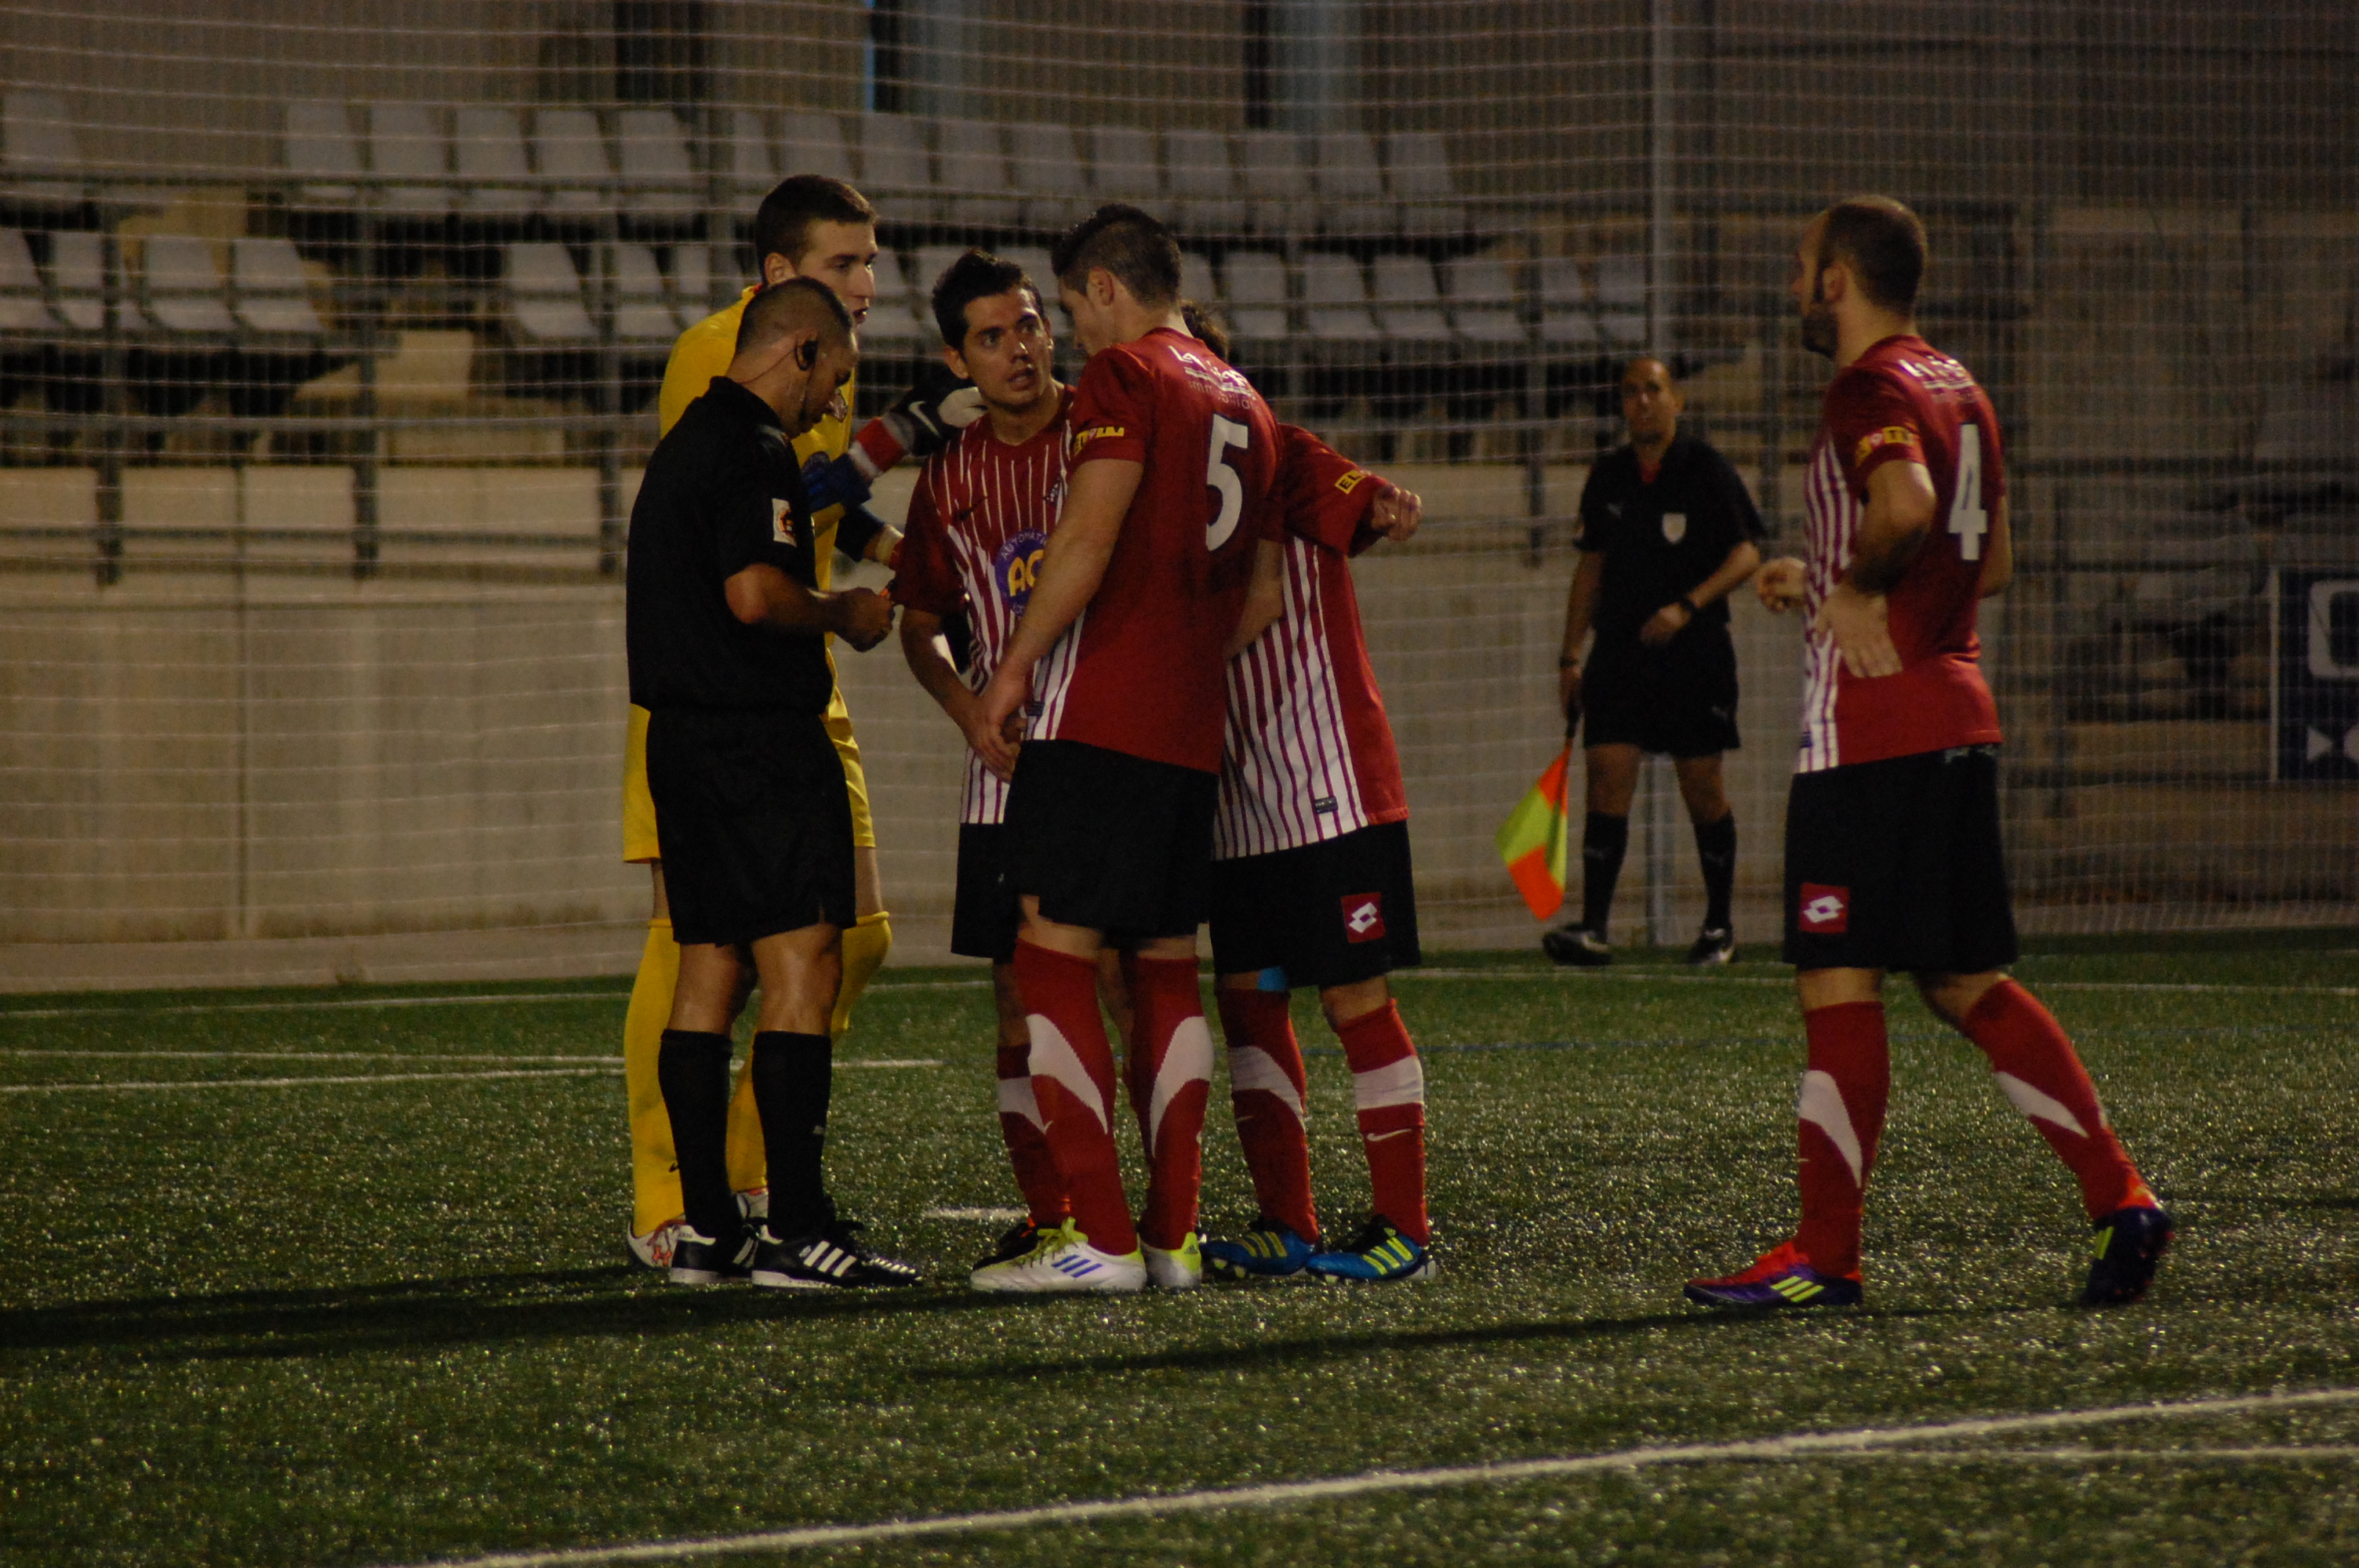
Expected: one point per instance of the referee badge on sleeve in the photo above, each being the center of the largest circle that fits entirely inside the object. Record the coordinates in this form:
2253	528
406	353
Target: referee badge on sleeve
782	528
1675	526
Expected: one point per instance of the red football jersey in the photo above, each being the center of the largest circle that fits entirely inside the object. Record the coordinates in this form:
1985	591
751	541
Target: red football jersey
1902	400
1310	753
979	519
1140	671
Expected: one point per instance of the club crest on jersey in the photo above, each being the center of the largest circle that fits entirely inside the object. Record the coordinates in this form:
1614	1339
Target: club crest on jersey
1675	526
1016	565
1363	918
782	529
1890	435
1824	911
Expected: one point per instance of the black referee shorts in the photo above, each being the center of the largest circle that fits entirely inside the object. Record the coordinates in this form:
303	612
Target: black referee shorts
1116	843
985	913
1677	701
753	821
1898	865
1328	914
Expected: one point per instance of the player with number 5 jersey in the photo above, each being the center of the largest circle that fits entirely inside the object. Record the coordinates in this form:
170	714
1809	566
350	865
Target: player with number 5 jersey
1893	851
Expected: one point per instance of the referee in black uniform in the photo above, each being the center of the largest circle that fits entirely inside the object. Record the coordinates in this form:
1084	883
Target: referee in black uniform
726	635
1666	532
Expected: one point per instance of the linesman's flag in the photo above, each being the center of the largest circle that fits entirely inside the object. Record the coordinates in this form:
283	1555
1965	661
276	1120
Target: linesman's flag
1532	841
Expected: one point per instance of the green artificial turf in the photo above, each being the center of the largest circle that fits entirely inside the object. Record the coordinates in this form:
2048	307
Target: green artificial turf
390	1321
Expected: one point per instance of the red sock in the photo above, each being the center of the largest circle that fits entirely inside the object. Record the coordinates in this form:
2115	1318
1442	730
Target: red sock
1388	1089
1026	1132
2036	1065
1267	1089
1172	1074
1072	1076
1842	1114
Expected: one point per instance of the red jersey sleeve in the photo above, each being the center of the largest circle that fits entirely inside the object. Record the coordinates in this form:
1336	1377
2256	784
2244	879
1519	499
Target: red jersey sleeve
928	578
1872	421
1322	494
1113	409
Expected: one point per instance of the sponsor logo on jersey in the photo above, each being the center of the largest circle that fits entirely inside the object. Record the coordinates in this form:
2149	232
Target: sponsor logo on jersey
1351	482
781	523
1363	918
1896	436
1084	438
1824	911
1016	565
1675	526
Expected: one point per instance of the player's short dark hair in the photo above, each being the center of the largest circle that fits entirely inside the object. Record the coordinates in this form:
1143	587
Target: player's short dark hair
799	303
1882	243
783	223
1205	324
976	275
1126	241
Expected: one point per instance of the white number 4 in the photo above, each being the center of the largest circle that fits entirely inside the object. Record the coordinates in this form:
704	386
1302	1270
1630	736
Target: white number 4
1968	521
1219	476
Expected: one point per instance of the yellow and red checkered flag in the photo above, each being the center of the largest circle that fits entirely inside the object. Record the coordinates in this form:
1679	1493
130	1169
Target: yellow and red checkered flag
1533	839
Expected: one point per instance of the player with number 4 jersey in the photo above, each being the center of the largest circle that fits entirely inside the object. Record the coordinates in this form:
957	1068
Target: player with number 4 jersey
1893	855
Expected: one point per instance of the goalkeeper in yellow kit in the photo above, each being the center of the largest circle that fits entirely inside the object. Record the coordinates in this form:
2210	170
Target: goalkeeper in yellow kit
815	227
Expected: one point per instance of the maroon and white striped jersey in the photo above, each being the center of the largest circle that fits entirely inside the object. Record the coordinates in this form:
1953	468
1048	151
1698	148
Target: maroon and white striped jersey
979	519
1902	400
1309	753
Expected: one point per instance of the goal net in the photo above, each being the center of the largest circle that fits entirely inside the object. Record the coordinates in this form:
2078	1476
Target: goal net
329	342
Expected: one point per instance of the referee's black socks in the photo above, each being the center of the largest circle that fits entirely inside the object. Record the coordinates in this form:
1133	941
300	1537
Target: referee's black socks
1603	841
692	1070
1716	849
792	1077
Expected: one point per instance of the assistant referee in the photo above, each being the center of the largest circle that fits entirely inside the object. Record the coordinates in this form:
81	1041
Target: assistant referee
1667	530
725	630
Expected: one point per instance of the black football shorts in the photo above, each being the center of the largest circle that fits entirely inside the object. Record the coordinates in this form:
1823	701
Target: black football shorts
1328	914
1678	700
1120	844
984	915
754	823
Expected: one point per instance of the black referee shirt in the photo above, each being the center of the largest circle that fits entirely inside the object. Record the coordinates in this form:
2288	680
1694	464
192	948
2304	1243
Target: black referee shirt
723	493
1664	538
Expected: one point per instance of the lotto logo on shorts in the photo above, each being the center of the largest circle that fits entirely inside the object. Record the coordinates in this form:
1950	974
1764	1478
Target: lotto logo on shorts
1363	918
1825	911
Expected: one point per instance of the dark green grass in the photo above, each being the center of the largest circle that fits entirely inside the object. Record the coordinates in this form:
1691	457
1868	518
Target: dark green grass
384	1322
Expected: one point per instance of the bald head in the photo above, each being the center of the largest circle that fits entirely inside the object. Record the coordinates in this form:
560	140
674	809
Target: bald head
795	351
799	305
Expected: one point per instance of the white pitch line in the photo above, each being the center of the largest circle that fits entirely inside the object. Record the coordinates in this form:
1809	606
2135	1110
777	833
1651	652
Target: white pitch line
1000	1214
1792	1446
292	1056
608	1069
1575	976
310	1006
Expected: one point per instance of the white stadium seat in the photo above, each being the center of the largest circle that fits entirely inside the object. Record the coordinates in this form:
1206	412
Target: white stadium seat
895	170
22	310
898	319
568	153
1351	186
813	144
1047	171
487	143
1336	300
1621	300
1204	184
1409	301
1567	316
658	174
1482	295
271	291
544	296
36	138
1277	182
643	316
1122	167
78	277
749	163
406	143
317	143
1416	167
974	171
184	284
1254	294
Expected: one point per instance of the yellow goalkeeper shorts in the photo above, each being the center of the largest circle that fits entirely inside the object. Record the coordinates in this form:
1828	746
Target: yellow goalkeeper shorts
639	844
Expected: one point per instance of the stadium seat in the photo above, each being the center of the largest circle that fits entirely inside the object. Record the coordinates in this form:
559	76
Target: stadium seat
544	296
1197	278
1034	260
1621	300
896	171
183	286
1277	183
1352	186
813	144
271	293
36	138
898	319
643	316
927	267
1567	317
1336	300
659	177
1202	183
317	143
496	179
692	282
1048	170
568	153
77	277
749	165
1417	165
22	308
974	172
406	142
1408	302
1253	295
1122	167
1482	297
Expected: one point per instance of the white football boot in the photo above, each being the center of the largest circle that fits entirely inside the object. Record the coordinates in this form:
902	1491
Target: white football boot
1179	1269
1064	1263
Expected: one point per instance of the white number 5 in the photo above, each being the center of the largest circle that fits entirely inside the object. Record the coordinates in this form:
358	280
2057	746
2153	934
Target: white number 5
1219	476
1967	518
